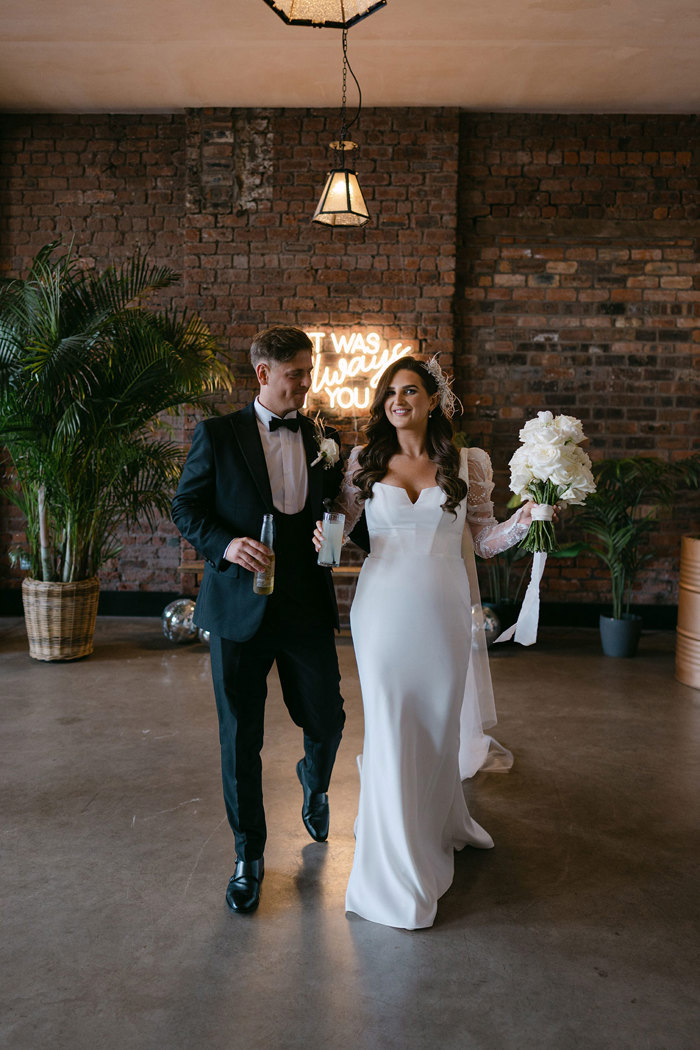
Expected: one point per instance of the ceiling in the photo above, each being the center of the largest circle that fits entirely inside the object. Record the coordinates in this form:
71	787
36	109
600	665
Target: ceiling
629	56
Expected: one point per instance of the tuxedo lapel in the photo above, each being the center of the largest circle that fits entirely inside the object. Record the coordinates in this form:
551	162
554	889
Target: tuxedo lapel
245	425
308	432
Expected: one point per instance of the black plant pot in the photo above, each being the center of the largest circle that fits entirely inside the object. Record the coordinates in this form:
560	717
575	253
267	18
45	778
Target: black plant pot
620	637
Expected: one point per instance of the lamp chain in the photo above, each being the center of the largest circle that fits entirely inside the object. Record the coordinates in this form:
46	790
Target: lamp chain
343	127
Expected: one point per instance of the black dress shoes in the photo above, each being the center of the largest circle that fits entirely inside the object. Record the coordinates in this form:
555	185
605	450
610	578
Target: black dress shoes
314	812
243	892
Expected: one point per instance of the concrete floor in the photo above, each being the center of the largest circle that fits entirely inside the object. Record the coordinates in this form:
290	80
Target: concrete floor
578	931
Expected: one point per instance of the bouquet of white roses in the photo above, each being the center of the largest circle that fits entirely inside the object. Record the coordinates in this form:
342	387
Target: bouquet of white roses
550	468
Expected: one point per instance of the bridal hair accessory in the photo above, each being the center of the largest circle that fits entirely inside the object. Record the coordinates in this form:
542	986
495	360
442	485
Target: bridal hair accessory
551	469
328	451
449	402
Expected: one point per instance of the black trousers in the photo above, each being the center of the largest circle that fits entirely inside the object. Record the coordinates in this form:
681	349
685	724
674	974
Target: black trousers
307	664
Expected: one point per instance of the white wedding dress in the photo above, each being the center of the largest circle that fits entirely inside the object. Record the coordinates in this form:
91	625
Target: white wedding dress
412	631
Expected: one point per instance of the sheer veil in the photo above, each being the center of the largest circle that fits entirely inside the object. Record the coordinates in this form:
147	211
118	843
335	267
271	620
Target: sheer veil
477	750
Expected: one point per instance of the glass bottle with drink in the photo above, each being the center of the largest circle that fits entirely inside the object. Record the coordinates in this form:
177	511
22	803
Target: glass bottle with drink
264	581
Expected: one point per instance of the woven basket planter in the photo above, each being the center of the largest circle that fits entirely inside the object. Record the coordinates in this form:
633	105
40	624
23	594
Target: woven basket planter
60	618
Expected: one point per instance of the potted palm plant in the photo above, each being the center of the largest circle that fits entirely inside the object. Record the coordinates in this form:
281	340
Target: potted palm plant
87	375
620	516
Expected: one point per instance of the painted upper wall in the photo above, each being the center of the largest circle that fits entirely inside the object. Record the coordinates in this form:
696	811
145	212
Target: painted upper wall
626	56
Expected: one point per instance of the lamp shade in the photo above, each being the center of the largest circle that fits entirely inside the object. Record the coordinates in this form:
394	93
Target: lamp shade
341	203
333	14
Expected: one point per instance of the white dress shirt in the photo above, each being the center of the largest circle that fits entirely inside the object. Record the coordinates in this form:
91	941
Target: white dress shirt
285	457
286	462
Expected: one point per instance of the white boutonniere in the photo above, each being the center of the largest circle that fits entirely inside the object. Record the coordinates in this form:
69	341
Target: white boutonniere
328	451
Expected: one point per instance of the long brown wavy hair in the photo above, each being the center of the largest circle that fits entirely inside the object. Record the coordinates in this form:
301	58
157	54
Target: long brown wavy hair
383	443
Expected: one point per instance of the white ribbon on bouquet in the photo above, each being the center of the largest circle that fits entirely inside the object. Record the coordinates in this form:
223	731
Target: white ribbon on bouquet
525	628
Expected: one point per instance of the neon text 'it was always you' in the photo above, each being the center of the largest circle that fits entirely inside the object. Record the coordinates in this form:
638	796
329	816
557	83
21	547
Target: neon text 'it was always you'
348	366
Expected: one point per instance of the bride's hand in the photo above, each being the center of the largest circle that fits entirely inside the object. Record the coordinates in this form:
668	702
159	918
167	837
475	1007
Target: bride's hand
526	513
318	536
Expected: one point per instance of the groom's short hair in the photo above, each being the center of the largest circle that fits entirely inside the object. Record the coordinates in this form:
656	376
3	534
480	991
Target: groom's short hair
280	343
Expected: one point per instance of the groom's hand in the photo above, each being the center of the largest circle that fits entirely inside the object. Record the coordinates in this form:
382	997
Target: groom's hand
248	553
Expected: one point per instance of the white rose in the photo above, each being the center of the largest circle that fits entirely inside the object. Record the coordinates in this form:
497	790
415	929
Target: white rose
568	466
520	484
534	428
550	436
520	473
518	461
541	432
576	494
569	428
581	483
542	460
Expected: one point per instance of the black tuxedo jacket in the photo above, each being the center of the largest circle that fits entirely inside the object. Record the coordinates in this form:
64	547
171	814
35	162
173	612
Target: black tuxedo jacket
223	493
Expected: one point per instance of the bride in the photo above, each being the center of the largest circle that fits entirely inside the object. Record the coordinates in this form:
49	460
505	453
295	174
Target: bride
425	502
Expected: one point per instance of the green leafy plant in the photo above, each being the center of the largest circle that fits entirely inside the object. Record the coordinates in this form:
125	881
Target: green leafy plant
505	579
88	374
622	512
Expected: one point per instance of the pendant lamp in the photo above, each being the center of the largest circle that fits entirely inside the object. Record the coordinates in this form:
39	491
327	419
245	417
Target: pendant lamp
342	203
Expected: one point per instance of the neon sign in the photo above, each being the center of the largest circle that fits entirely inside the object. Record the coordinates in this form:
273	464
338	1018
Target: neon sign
346	373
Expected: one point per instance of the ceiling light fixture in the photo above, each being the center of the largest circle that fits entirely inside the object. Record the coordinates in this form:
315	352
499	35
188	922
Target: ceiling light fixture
342	203
328	14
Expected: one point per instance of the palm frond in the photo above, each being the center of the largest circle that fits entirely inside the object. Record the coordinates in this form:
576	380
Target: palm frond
117	289
86	369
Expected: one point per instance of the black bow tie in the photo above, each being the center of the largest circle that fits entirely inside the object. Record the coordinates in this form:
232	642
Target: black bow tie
291	423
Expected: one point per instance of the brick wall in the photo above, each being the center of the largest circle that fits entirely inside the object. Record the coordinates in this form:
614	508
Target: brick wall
112	184
226	196
578	287
254	259
552	259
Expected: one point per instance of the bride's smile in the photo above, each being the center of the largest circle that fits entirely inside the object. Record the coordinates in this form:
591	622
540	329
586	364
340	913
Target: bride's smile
407	401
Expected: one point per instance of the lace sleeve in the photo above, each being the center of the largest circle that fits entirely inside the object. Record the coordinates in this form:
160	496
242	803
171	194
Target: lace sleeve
490	537
348	501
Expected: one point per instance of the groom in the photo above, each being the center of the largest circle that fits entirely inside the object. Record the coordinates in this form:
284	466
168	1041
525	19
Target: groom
258	461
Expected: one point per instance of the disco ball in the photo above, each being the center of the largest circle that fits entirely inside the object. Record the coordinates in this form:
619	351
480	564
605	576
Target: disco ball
204	636
177	621
485	616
